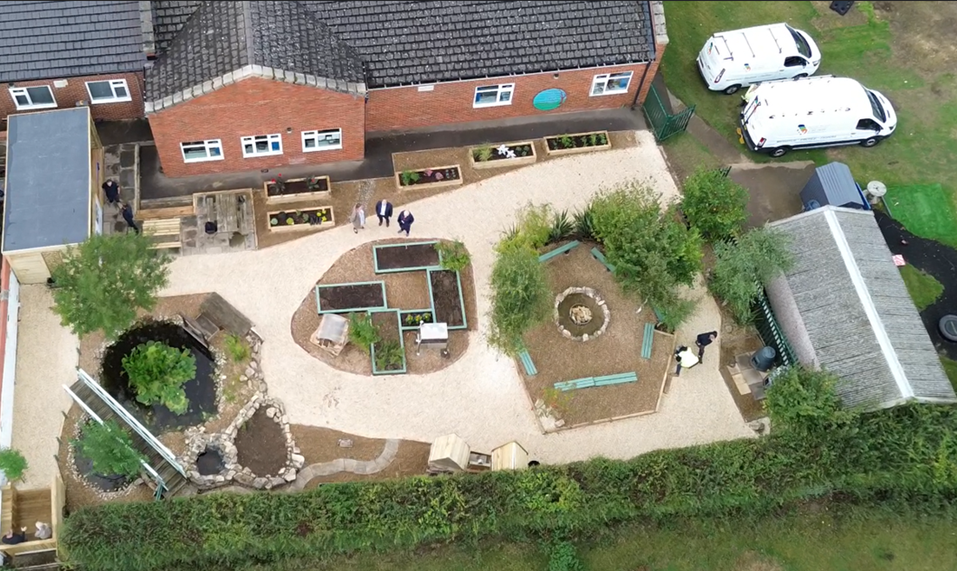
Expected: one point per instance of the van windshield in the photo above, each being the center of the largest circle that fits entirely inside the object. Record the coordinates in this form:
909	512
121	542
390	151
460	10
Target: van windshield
876	106
803	48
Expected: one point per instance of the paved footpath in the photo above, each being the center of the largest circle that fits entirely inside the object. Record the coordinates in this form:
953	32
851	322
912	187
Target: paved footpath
480	397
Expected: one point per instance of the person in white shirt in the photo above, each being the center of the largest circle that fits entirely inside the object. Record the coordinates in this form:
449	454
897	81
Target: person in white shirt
383	209
685	358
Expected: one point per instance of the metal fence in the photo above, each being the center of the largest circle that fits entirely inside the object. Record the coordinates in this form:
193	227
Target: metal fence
771	333
664	124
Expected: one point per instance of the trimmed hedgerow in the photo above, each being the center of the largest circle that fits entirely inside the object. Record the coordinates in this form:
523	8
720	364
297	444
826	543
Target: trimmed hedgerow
906	455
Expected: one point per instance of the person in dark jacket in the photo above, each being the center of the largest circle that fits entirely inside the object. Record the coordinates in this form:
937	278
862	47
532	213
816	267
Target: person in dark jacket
383	209
127	213
14	538
112	191
405	222
703	340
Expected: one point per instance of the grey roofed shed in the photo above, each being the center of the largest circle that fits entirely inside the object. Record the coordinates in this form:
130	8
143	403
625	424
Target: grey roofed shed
844	308
47	199
833	184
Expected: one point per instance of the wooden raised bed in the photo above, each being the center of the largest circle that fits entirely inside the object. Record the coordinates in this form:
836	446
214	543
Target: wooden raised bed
436	177
402	257
524	155
390	330
298	189
577	143
350	297
302	219
445	292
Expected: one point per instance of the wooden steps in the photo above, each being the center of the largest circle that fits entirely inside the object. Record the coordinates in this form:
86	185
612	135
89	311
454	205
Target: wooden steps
165	231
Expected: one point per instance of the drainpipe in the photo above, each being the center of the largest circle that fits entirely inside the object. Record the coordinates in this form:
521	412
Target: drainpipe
641	84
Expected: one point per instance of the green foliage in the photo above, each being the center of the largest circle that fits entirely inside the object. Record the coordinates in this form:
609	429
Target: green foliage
237	348
533	226
652	251
714	204
804	404
674	311
12	464
562	556
409	177
482	154
585	224
110	448
744	266
157	372
388	356
562	228
362	332
566	141
104	281
923	288
454	256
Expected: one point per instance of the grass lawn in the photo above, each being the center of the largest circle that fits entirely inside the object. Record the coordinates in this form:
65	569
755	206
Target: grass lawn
950	367
892	52
925	210
844	539
921	286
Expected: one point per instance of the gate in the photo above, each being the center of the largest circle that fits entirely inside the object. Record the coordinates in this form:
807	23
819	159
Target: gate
664	124
771	333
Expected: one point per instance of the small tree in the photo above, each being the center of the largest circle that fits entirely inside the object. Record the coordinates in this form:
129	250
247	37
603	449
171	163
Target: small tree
454	256
804	404
157	372
714	204
744	267
110	448
521	298
104	281
12	464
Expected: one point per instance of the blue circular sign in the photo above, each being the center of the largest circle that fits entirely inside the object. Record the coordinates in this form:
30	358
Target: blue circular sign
549	99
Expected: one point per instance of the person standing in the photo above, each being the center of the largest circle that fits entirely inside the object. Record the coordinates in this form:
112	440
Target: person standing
358	218
112	191
703	340
383	209
405	220
127	213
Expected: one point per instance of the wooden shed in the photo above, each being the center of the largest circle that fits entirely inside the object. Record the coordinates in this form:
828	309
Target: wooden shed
449	453
54	170
509	456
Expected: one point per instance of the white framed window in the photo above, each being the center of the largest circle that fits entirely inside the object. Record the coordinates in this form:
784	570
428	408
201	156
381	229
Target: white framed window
108	91
200	151
37	97
262	146
611	83
493	95
321	140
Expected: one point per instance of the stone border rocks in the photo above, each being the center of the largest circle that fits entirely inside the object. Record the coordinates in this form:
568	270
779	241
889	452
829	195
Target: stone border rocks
606	314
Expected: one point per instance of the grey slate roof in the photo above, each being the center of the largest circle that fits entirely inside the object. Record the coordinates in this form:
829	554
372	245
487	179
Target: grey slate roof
52	40
48	179
222	37
169	17
856	311
445	40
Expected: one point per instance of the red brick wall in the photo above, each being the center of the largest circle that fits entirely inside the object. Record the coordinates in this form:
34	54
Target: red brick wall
256	106
407	108
75	91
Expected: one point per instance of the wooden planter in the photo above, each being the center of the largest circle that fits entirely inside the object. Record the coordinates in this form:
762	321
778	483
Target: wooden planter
447	181
282	215
497	161
578	138
297	189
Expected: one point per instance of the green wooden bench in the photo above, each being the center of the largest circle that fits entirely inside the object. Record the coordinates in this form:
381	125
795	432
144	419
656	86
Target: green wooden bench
576	384
526	360
646	341
616	379
563	250
658	314
596	253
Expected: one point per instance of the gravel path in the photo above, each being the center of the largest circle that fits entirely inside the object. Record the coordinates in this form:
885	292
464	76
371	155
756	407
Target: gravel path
46	360
480	397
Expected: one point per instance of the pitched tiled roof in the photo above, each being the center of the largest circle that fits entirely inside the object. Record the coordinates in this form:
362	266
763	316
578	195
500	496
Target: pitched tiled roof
222	37
49	40
446	40
169	17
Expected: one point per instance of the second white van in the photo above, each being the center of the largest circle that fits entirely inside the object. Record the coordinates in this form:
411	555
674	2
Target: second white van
732	60
815	112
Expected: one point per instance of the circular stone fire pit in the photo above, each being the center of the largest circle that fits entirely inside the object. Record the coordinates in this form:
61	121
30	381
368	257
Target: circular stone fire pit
581	313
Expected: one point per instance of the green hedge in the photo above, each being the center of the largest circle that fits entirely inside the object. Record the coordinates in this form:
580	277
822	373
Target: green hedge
906	455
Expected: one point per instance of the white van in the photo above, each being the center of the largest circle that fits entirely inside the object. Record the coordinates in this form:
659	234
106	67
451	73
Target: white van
814	112
731	60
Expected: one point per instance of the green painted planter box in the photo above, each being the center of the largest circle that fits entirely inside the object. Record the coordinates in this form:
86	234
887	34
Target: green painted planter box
404	368
412	312
437	317
383	247
321	310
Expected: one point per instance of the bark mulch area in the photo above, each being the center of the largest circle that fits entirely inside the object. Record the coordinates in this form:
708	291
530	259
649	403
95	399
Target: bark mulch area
412	459
261	445
404	290
318	444
618	350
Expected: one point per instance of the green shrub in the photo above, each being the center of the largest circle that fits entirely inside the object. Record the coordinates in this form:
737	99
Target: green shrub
388	356
562	556
562	228
12	464
715	204
110	448
482	154
157	373
585	225
743	267
237	348
521	298
409	177
532	228
362	332
454	256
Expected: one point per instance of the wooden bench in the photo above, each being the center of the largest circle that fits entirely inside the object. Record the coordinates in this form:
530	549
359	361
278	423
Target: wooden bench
562	250
576	384
647	340
658	315
616	379
167	230
596	253
526	360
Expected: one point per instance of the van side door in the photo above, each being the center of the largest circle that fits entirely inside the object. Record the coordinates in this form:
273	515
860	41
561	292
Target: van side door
867	127
794	65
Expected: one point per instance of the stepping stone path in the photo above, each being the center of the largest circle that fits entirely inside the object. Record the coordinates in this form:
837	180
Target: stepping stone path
361	467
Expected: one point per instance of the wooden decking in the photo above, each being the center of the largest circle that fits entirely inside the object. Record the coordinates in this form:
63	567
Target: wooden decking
221	313
25	508
232	211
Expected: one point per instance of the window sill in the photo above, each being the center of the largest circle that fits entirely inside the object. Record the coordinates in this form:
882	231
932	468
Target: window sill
102	101
319	149
34	107
258	155
608	93
484	105
206	160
